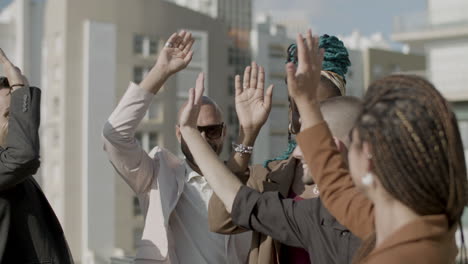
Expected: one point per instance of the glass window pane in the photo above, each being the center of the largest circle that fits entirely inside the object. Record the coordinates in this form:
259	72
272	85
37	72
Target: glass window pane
138	44
154	111
139	138
153	48
136	206
185	80
153	140
138	73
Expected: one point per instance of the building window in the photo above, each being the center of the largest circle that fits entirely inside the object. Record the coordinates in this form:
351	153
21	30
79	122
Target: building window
153	47
231	85
152	140
136	206
139	138
138	74
154	111
137	233
232	115
138	42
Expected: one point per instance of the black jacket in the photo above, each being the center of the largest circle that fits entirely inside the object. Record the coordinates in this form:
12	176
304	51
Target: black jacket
29	229
305	224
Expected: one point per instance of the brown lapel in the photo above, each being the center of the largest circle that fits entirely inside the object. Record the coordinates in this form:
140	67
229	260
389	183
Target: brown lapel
281	176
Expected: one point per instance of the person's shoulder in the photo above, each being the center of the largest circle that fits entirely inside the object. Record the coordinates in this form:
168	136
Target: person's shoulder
164	155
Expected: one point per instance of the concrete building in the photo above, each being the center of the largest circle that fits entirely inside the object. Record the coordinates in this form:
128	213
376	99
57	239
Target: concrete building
441	32
371	64
92	49
22	29
269	43
237	16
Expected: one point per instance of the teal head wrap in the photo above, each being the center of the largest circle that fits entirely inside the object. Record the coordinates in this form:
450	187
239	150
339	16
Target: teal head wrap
336	58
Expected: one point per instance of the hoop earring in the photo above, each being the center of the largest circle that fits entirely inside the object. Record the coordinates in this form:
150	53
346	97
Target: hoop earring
368	179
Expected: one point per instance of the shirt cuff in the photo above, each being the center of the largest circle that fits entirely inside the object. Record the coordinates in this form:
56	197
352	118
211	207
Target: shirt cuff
137	90
244	203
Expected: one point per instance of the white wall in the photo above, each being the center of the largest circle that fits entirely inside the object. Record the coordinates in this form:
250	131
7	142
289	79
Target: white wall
447	11
447	67
99	68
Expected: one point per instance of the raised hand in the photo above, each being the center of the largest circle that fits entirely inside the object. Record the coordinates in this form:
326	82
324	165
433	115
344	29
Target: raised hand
253	105
174	57
189	116
177	53
303	82
12	73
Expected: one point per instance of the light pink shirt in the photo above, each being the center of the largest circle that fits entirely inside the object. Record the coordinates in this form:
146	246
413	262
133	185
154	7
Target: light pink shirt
168	193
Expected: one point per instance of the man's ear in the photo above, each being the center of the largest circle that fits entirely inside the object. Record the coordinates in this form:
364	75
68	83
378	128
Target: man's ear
340	145
178	134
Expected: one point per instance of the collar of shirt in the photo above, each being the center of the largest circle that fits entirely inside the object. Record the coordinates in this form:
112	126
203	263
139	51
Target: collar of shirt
193	176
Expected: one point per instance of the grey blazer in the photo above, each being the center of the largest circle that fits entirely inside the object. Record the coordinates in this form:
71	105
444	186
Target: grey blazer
29	230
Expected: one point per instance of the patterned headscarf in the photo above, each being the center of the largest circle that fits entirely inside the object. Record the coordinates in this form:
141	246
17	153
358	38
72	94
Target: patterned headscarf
335	62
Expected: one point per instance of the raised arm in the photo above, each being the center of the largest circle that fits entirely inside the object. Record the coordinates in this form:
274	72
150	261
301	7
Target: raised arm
337	191
19	155
267	213
253	106
125	154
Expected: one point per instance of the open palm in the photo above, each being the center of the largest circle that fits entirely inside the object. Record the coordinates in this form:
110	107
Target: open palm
176	54
253	105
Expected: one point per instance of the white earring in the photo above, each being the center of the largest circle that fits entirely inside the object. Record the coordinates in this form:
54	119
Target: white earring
368	179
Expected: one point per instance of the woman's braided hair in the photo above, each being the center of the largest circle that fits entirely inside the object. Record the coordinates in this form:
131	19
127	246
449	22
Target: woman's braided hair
416	143
416	146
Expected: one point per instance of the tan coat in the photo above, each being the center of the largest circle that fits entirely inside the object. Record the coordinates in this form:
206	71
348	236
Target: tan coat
428	240
277	177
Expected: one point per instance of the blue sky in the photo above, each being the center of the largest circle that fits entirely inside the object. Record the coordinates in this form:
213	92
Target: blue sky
343	16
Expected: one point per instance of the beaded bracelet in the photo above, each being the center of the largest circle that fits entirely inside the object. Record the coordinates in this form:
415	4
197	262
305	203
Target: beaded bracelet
242	149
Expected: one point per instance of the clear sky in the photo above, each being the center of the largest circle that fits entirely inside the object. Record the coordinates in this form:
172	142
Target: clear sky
342	16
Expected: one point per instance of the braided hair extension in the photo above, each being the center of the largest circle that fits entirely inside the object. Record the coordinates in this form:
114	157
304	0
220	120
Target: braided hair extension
336	57
416	146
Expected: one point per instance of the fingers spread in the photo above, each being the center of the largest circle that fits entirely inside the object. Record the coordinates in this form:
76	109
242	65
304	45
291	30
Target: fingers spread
246	77
238	85
189	45
179	38
187	39
302	53
309	41
268	97
261	78
191	99
253	76
316	48
172	38
199	88
188	57
291	75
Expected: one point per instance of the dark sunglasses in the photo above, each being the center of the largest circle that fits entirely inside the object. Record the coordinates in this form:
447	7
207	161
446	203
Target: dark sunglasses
4	82
212	131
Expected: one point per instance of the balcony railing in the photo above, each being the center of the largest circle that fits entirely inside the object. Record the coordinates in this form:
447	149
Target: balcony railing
431	20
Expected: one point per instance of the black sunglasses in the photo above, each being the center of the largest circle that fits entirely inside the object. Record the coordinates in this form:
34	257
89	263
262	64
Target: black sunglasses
212	131
4	82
